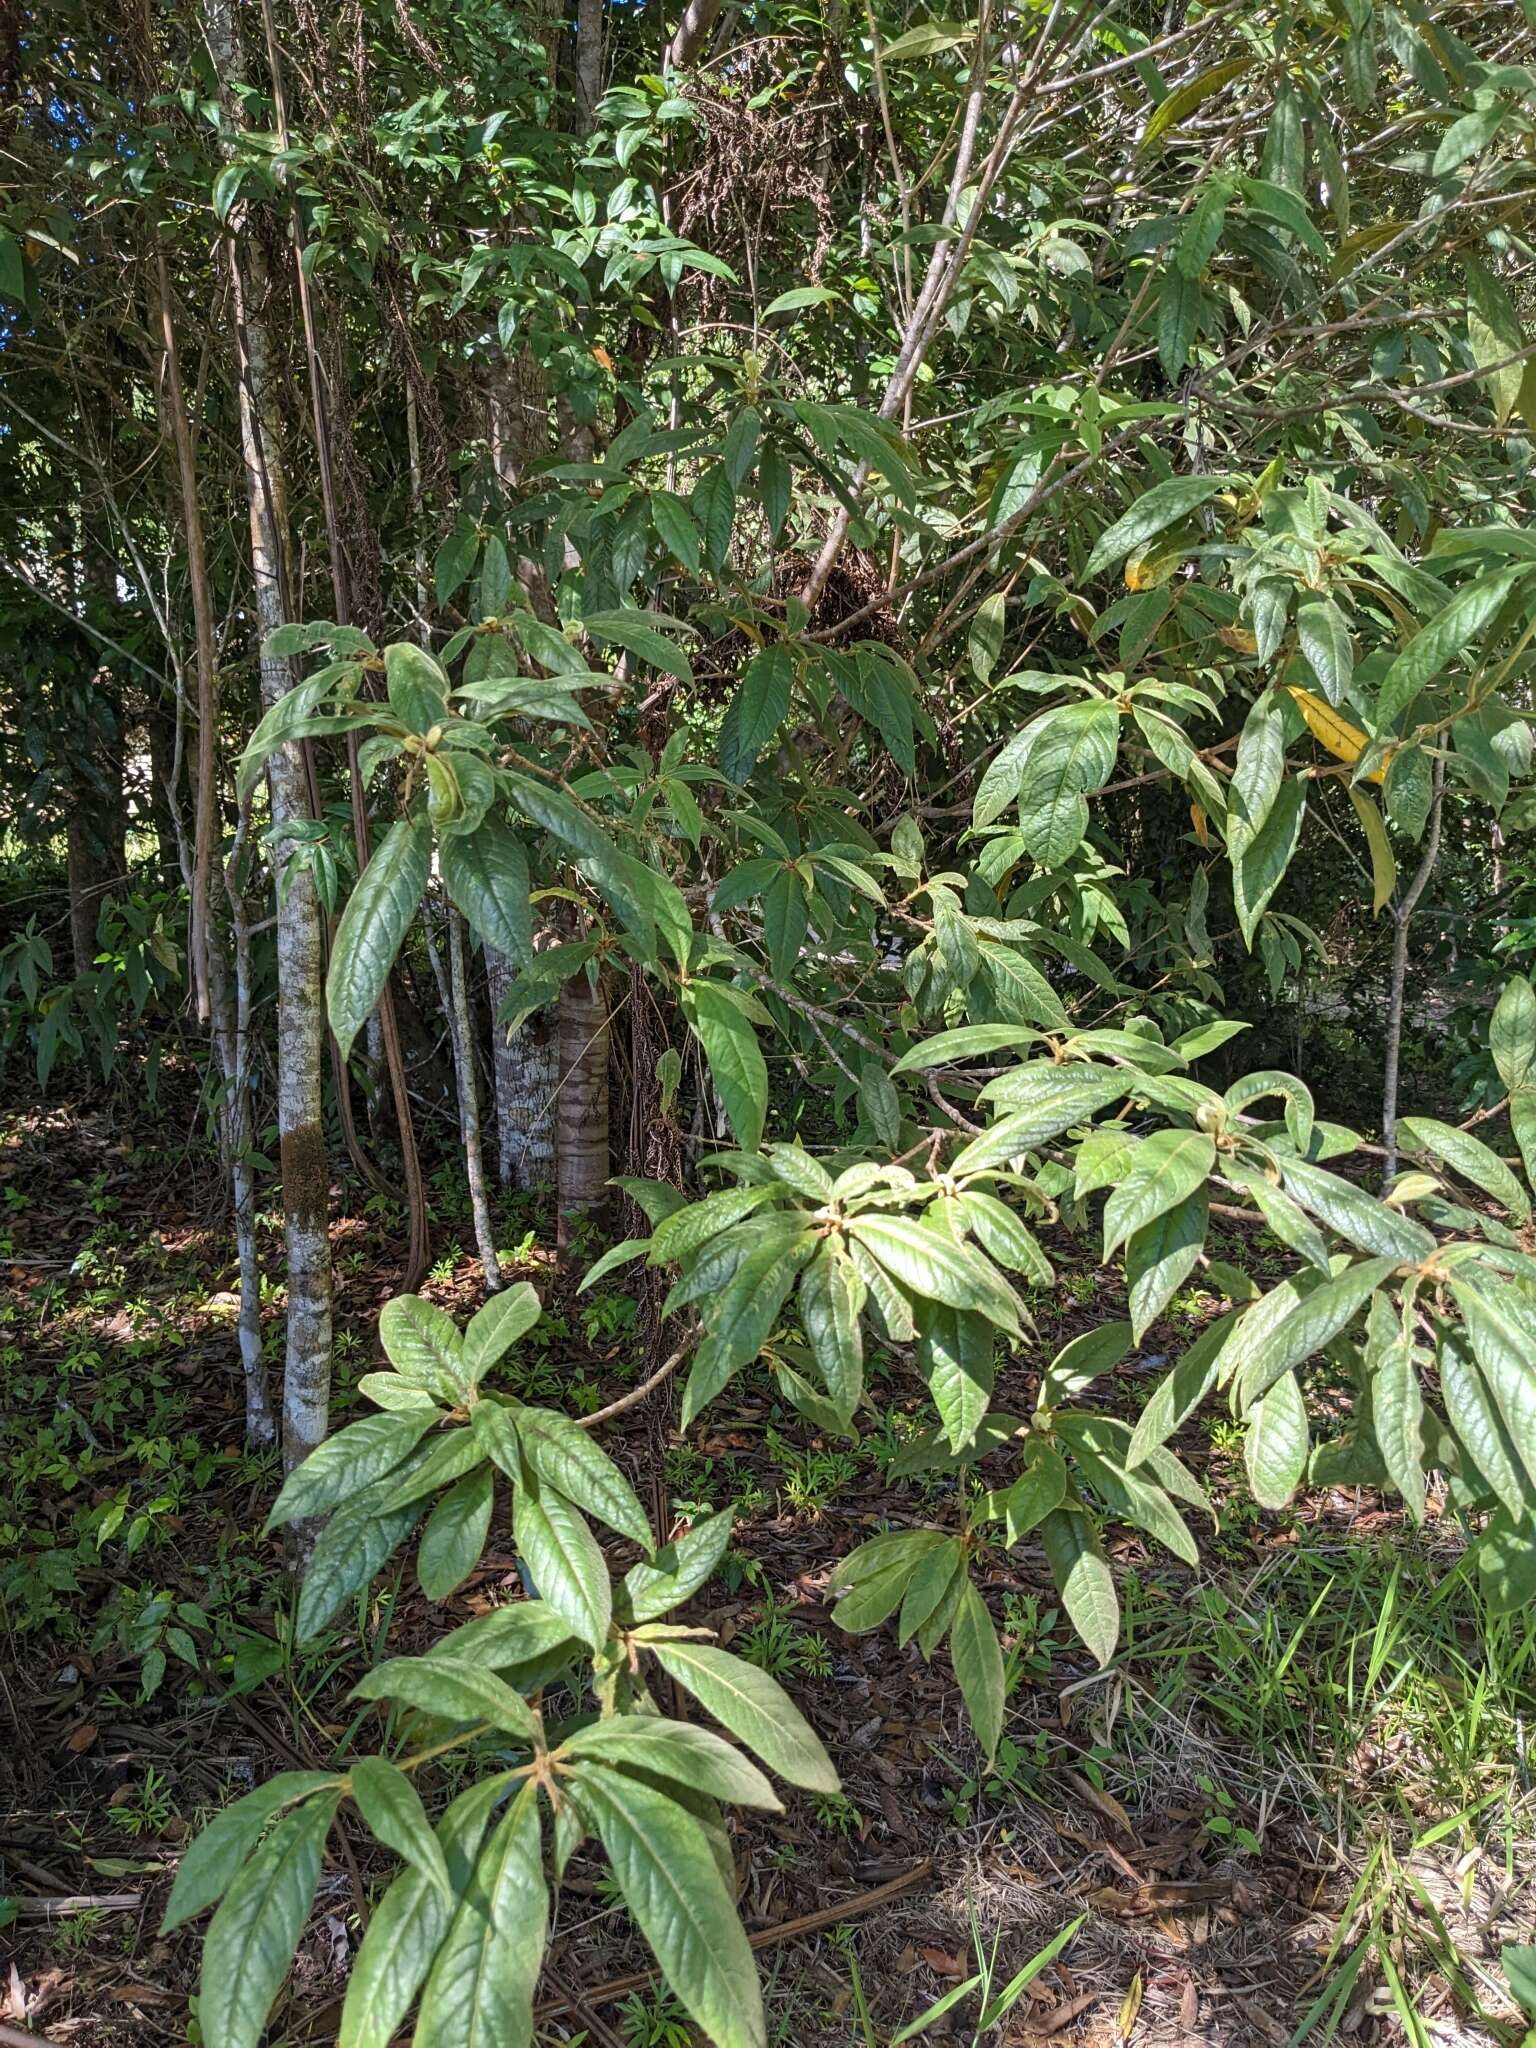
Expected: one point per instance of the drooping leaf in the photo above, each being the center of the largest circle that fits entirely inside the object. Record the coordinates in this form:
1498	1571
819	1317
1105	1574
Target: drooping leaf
753	1706
452	1541
1083	1579
252	1937
391	1805
373	927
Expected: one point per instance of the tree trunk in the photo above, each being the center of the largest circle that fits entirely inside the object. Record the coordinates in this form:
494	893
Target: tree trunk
525	1064
300	1018
464	1065
581	1109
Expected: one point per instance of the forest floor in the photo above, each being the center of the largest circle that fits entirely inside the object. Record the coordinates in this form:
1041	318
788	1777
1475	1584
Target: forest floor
1297	1804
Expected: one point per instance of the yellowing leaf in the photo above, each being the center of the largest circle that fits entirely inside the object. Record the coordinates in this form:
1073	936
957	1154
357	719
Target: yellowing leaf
1130	2006
1201	823
1343	740
1150	572
1383	862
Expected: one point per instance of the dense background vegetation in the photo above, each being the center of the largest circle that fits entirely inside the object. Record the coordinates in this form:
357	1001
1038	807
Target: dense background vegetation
853	689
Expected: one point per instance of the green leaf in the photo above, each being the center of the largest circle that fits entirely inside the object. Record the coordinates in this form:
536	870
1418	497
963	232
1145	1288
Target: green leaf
1258	771
955	1357
1450	633
480	1991
1494	334
1073	753
927	40
633	631
1042	1102
930	1587
424	1346
1039	1488
352	1547
1276	1443
1290	1224
695	1757
1083	1578
1165	1169
1383	860
495	1328
563	1556
1179	1393
1326	643
1078	1364
831	1297
735	1058
455	1534
450	1689
418	688
999	1232
392	1807
347	1462
679	1569
1295	1319
1179	104
1512	1034
1397	1405
1153	513
753	1707
714	507
978	1660
967	1042
1259	870
407	1926
1355	1215
677	529
1160	1257
216	1855
984	643
671	1884
252	1937
1477	1423
565	1457
486	874
744	1314
934	1268
756	711
1502	1331
373	926
1469	1157
799	297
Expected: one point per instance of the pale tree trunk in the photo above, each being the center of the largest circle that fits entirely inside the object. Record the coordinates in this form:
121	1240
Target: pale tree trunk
228	1013
1402	918
525	1065
581	1108
300	1018
454	989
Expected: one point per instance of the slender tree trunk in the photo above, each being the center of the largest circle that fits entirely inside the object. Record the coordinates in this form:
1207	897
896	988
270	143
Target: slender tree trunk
1402	919
581	1109
300	1009
457	1005
526	1067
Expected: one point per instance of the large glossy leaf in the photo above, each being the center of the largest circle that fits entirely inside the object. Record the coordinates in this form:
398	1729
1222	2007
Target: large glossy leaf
753	1706
480	1991
1355	1215
1512	1034
1459	626
344	1464
407	1926
1073	754
831	1296
495	1328
1275	1444
1469	1157
1397	1405
424	1346
1000	1232
672	1886
563	1557
1259	869
934	1268
756	711
678	1570
978	1661
215	1856
1502	1330
1083	1579
735	1058
1160	1257
1041	1101
1161	507
450	1689
373	926
743	1315
692	1756
252	1937
352	1547
417	686
452	1541
391	1805
1165	1169
1296	1319
486	873
1180	1391
1477	1422
955	1357
1257	772
566	1458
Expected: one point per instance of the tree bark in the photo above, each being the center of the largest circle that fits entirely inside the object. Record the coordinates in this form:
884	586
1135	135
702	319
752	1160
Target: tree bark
456	995
526	1067
581	1109
300	1009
